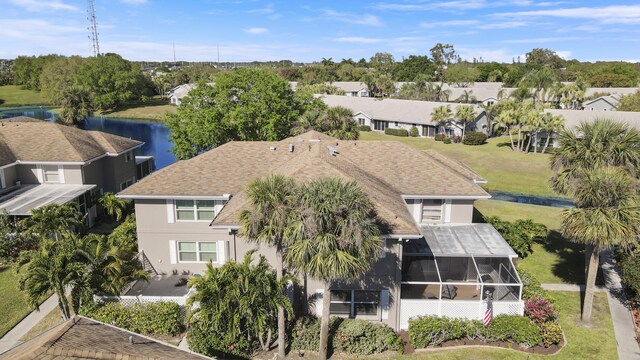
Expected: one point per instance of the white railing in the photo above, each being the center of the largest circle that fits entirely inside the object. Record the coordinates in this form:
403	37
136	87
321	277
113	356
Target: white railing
141	299
473	310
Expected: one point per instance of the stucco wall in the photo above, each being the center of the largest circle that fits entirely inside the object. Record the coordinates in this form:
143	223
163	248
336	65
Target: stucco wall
109	172
10	175
73	174
28	174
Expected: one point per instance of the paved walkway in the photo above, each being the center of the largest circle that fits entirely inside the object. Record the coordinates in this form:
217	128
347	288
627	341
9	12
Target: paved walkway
620	315
12	338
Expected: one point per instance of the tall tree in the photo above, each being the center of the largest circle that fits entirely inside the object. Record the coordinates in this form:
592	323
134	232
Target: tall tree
551	125
582	169
114	206
442	115
334	236
272	201
442	56
540	81
77	104
52	221
465	114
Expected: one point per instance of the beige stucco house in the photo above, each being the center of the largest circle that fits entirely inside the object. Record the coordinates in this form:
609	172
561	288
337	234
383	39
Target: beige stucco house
42	162
435	259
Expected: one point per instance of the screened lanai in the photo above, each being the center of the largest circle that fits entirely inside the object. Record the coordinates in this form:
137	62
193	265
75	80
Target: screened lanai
452	269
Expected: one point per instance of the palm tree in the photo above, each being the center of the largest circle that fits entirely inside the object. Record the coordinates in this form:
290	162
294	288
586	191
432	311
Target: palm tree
581	168
335	236
76	105
540	81
51	268
465	114
506	119
442	115
551	125
605	215
340	124
51	221
467	97
310	120
272	201
113	205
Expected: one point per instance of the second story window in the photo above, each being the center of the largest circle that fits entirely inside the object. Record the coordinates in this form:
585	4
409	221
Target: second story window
195	210
51	173
431	210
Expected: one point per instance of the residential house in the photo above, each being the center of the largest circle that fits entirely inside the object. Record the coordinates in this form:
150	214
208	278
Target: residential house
42	162
602	103
84	338
352	88
434	259
404	114
181	91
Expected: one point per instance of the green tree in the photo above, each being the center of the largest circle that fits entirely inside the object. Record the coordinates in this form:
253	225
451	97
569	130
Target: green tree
442	56
77	104
413	66
442	115
596	164
334	236
114	206
57	76
465	114
238	306
461	74
539	58
551	125
272	201
27	70
540	81
630	102
53	221
382	62
244	104
338	122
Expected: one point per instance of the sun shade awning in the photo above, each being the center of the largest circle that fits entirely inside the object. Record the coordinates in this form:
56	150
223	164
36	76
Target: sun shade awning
460	240
21	201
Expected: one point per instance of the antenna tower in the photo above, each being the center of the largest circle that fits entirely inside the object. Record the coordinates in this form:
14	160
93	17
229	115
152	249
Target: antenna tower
93	27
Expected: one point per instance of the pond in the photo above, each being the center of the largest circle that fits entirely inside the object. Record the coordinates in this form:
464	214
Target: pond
532	199
154	135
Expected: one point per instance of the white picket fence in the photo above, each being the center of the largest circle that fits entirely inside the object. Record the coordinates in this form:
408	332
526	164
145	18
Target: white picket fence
128	300
473	310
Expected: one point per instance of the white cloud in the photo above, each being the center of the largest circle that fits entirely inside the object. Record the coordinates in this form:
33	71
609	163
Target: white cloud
35	5
542	40
359	40
134	2
502	25
445	5
359	19
500	55
565	54
615	14
256	30
434	24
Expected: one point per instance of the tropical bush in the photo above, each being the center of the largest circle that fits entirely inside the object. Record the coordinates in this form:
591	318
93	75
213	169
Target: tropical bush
161	318
630	273
474	138
551	334
520	234
365	128
414	131
456	139
12	241
125	236
439	137
351	336
540	310
446	140
396	132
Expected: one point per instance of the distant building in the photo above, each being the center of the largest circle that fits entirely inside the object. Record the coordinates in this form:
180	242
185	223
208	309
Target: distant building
603	103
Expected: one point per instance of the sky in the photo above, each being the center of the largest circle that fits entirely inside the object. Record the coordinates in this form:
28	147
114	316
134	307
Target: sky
306	31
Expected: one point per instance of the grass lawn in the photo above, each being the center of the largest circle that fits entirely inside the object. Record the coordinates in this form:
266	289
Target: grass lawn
12	302
11	95
153	109
504	169
595	342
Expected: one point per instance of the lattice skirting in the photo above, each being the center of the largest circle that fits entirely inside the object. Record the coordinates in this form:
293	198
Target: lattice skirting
473	310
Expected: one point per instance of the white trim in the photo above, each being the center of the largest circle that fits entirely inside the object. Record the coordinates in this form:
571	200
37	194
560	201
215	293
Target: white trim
400	237
3	181
383	253
173	252
318	304
198	251
174	197
170	213
195	211
20	162
384	304
447	210
417	211
221	252
61	173
40	174
454	197
480	181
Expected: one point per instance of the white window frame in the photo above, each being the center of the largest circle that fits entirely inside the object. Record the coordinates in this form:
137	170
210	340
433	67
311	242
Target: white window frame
57	172
3	181
215	210
352	304
427	221
217	245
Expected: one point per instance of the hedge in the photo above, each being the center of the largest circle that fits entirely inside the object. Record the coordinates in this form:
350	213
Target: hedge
474	138
364	127
414	131
439	137
161	318
351	336
446	140
427	331
630	273
396	132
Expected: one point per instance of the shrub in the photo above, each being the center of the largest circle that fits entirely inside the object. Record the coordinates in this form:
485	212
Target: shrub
539	310
396	132
414	131
439	137
352	336
432	330
474	138
364	128
531	287
517	329
456	139
519	234
207	340
161	318
551	334
630	273
446	140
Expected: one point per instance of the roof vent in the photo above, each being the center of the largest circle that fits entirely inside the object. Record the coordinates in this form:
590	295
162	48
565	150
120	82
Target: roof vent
314	140
290	147
272	148
332	151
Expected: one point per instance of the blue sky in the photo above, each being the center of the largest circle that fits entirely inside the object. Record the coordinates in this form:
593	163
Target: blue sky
494	30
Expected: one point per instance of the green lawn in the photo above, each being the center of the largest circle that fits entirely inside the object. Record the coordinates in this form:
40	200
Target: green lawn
13	304
153	109
594	342
504	169
11	95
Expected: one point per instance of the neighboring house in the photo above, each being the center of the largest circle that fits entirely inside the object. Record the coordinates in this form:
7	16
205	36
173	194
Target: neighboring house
603	103
42	162
352	88
590	92
434	259
84	338
181	91
404	114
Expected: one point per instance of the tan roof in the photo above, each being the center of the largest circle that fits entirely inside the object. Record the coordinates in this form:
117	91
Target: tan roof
83	338
573	118
386	170
27	139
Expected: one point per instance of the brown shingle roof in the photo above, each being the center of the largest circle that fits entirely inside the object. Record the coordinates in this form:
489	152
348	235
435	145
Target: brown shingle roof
83	338
28	139
386	170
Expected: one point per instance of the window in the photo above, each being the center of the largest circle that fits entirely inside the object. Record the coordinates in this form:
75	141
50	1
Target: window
396	124
197	251
361	121
128	156
126	184
195	210
51	173
380	125
354	303
431	210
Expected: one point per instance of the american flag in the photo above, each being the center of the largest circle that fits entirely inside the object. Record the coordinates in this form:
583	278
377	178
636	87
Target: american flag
488	313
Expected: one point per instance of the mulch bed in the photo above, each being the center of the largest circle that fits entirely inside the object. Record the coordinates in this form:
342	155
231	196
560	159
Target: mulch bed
408	349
